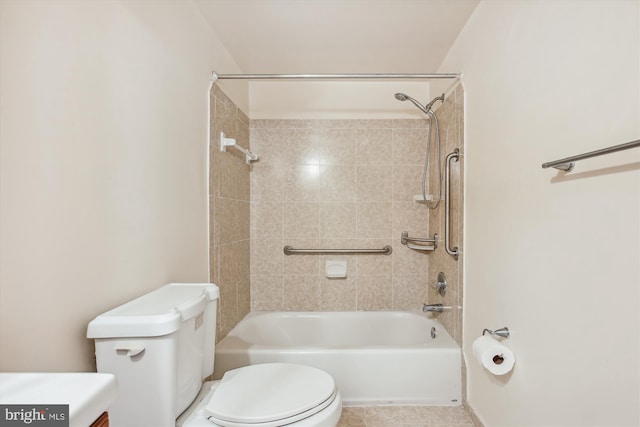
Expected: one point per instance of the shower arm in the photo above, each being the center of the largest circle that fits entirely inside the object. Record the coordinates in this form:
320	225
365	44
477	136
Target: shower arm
433	101
230	142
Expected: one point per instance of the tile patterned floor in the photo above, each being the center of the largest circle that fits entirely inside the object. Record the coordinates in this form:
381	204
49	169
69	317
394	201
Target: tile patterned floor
405	416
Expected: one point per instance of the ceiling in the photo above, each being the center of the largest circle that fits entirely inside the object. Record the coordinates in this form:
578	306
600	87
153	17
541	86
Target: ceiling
337	36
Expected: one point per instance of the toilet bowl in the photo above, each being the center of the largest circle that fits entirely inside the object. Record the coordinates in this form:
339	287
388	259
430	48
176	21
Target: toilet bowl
267	395
161	346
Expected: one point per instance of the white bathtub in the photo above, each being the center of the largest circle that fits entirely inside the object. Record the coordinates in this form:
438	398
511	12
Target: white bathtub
374	356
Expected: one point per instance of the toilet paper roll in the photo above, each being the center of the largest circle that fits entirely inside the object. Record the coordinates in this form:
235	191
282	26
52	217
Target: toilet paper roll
494	356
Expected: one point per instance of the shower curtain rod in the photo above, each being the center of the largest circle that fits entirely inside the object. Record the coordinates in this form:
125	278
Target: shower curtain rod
217	76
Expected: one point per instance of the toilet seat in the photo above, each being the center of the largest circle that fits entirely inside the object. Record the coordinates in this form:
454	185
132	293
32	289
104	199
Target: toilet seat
269	395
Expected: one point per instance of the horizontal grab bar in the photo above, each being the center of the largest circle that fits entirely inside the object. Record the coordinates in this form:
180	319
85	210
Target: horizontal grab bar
289	250
568	163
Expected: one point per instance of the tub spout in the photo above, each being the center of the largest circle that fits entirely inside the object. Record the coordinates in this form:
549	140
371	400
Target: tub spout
438	308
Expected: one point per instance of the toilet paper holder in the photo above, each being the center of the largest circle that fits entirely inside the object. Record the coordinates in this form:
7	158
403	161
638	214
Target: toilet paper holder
502	332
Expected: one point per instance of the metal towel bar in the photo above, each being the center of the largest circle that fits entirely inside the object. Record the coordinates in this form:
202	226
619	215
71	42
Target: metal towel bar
288	250
568	163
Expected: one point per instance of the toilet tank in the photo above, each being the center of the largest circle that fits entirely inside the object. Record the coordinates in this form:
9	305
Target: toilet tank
160	347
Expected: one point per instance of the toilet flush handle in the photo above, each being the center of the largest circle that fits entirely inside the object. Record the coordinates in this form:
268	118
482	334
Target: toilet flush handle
130	349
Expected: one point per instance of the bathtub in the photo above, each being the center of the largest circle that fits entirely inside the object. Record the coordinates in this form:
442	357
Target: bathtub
375	357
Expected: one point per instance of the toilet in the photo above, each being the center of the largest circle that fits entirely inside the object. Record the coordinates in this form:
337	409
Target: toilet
161	347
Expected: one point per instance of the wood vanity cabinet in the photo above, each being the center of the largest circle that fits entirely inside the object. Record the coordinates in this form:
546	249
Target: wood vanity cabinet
102	421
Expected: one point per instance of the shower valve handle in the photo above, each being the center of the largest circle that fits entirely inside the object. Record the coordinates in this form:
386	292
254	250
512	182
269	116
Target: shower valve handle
441	284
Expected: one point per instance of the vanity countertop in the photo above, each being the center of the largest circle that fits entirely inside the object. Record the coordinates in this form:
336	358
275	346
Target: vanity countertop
87	394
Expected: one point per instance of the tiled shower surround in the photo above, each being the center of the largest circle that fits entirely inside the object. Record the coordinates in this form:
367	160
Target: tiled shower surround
229	213
451	120
329	184
337	184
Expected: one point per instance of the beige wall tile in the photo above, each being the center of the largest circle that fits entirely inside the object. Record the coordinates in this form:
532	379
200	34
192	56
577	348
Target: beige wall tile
374	220
334	146
373	183
266	143
265	123
407	182
410	124
214	264
374	145
409	146
243	182
302	264
338	294
243	221
409	292
411	217
410	261
338	220
301	220
228	309
302	183
225	117
244	297
297	124
301	292
368	264
267	256
241	134
227	177
266	220
227	220
374	292
337	183
267	292
267	183
231	263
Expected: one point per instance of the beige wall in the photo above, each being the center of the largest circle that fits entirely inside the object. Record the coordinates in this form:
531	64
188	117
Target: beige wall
103	143
334	100
229	212
553	256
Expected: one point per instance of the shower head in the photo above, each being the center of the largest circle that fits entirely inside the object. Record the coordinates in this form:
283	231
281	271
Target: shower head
404	97
425	109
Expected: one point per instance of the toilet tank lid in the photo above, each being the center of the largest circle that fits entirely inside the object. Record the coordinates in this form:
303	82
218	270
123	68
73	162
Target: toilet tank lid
157	313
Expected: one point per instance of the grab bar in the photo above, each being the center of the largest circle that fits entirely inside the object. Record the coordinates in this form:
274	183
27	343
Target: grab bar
568	163
454	252
410	242
289	250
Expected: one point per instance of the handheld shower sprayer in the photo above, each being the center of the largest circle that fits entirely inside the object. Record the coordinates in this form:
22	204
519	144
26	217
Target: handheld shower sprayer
403	97
425	173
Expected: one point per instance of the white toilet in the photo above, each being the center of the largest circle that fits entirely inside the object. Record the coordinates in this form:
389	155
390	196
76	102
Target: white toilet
161	346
